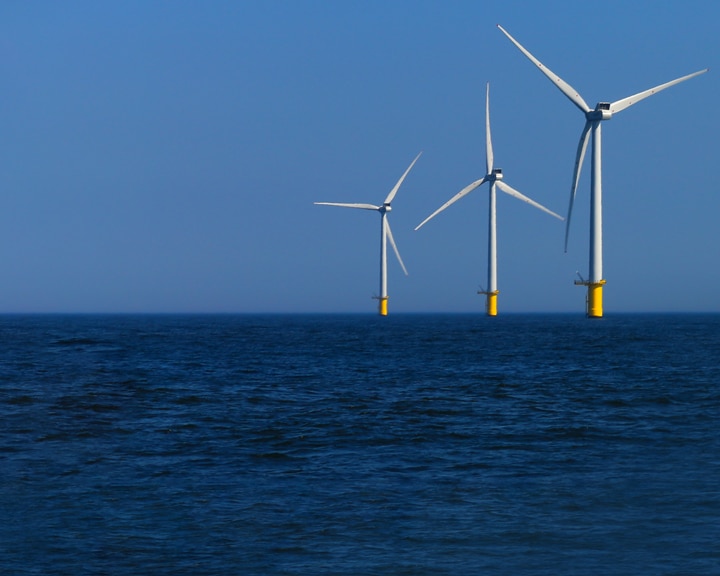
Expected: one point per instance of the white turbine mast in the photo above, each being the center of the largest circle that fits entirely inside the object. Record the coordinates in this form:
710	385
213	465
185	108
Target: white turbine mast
494	176
385	235
593	119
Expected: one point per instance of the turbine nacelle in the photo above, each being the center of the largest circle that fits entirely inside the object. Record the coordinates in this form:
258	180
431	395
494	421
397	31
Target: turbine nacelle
495	175
602	112
385	208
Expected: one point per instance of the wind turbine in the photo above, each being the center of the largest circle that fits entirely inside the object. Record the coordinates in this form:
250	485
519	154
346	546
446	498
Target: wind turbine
593	119
385	235
495	177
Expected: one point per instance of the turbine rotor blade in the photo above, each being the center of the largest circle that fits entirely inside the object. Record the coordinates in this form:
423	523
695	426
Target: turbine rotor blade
488	140
390	196
388	233
512	192
345	205
564	87
464	192
579	157
620	105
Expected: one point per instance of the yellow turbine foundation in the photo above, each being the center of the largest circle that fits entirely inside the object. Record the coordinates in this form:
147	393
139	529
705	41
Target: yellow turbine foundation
594	297
492	303
383	306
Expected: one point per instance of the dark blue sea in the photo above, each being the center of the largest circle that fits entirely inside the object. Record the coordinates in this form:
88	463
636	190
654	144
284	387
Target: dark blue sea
359	445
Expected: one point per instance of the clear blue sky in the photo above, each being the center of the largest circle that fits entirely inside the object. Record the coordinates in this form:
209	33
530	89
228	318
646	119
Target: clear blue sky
165	156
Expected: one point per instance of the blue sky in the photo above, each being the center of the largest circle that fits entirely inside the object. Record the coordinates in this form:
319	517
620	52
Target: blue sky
165	156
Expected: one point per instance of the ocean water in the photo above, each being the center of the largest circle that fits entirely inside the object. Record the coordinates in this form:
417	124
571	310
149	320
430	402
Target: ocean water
360	445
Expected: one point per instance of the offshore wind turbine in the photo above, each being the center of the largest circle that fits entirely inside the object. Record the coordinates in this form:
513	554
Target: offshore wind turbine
593	120
385	235
494	176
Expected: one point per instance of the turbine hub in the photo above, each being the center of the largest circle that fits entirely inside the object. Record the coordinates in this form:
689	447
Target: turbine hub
497	174
386	208
602	112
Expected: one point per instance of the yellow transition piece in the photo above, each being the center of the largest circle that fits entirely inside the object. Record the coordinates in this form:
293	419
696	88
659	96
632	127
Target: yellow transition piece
383	306
492	303
595	300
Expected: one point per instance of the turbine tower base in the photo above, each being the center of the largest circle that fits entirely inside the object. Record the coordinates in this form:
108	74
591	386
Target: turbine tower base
594	298
383	308
491	302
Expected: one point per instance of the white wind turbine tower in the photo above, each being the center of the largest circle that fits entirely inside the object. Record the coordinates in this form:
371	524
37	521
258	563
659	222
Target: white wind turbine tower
495	177
593	119
385	235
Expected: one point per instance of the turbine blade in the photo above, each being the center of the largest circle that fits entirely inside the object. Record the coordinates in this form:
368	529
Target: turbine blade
389	234
390	196
464	192
488	140
564	87
579	157
620	105
512	192
344	205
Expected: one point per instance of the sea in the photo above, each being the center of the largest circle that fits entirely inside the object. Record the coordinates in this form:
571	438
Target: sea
438	444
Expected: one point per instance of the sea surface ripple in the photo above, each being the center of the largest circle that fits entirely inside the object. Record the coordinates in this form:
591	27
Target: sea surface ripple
355	445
